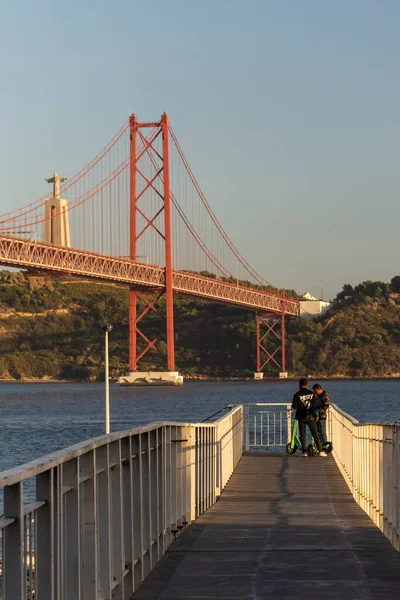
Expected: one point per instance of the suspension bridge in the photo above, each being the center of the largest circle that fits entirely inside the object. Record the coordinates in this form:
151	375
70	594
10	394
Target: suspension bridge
136	215
136	512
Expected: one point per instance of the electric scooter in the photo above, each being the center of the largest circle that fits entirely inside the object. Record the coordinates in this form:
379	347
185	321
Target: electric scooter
312	449
294	443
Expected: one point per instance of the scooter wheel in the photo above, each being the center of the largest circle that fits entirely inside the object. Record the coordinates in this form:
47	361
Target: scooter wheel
310	450
289	448
327	447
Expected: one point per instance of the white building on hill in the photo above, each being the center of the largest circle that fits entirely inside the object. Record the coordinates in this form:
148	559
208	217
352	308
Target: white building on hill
312	307
308	296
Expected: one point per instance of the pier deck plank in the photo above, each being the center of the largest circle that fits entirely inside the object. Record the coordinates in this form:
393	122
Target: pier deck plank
284	528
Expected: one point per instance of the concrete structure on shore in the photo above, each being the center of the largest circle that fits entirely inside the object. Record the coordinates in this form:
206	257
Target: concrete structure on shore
151	378
259	375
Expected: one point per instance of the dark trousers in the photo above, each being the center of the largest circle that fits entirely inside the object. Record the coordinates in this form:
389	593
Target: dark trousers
312	424
321	428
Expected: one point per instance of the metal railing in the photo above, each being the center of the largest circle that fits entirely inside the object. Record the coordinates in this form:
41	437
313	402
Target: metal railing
368	456
267	425
104	511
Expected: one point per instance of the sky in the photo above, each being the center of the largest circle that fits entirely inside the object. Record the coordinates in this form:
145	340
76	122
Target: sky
287	111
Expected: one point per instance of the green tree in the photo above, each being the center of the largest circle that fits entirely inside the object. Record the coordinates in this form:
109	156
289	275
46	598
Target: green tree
395	284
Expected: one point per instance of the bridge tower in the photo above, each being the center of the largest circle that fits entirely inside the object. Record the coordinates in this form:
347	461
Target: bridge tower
56	224
140	183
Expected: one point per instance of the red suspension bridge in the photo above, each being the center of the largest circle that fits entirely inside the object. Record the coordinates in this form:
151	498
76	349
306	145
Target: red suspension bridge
136	215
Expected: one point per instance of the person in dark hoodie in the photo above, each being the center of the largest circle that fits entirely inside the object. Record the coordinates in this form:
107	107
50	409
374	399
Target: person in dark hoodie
304	403
323	402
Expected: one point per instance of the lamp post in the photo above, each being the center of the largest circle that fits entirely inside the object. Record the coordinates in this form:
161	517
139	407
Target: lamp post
107	328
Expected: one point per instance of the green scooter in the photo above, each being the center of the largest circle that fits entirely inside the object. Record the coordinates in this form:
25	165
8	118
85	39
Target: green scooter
312	449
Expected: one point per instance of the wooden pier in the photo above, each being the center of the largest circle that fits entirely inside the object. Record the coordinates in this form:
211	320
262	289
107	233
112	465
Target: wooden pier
284	528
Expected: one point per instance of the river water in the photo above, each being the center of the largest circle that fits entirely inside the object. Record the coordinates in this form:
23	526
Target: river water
39	418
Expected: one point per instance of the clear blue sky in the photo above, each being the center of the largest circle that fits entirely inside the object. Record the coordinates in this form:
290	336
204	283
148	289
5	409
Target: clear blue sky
288	112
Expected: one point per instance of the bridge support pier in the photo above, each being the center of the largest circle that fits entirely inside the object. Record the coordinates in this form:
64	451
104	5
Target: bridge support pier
270	325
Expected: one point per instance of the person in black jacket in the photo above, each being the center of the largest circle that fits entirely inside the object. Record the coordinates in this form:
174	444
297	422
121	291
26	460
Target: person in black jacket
323	402
304	403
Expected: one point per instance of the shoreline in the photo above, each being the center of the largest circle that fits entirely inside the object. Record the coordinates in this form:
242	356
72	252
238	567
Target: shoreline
205	379
33	380
294	378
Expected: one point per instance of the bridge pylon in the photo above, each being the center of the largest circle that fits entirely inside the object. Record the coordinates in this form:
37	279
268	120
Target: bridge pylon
142	208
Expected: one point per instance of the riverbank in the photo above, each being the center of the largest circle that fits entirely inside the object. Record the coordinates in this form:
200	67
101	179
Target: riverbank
46	380
205	379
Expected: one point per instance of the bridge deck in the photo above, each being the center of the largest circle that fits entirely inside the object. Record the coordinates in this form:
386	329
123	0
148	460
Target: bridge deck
285	527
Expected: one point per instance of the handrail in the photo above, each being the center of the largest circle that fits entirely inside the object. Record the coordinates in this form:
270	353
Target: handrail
368	456
106	510
39	465
345	414
214	414
261	431
356	422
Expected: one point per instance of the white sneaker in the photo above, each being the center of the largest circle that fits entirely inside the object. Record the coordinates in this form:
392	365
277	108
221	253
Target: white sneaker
305	454
323	453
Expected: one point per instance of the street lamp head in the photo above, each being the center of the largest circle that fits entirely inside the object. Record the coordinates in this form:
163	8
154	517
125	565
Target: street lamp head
108	327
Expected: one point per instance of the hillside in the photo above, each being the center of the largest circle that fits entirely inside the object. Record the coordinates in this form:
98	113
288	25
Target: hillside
358	337
51	328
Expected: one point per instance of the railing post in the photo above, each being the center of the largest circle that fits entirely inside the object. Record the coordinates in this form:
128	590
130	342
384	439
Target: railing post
173	477
390	517
376	471
289	423
13	566
90	554
144	501
214	462
117	519
154	497
72	515
127	524
185	474
167	486
137	512
193	471
380	476
104	492
44	560
246	427
160	492
201	471
396	458
210	491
